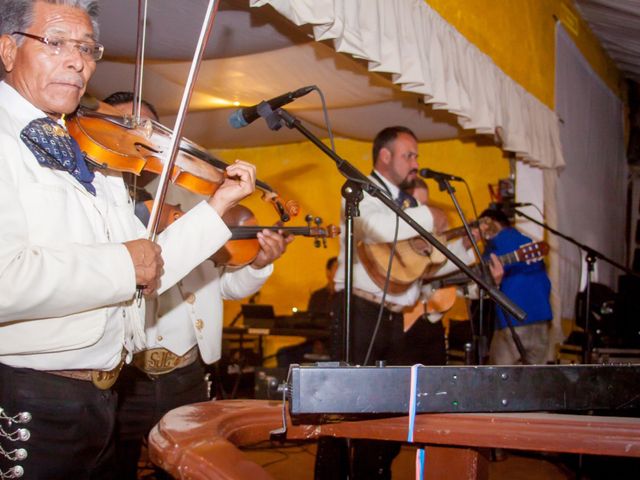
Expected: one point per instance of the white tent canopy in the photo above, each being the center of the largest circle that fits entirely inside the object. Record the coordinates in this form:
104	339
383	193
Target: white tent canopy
256	53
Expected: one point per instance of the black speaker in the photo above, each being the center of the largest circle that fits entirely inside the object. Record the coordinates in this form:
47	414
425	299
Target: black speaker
602	315
633	148
628	306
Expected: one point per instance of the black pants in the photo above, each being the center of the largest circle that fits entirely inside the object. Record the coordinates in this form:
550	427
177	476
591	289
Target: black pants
72	426
423	343
143	401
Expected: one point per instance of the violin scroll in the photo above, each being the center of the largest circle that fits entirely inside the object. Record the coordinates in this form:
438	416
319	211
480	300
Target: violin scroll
285	211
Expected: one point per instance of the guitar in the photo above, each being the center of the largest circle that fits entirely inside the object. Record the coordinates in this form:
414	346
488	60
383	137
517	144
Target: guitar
413	257
444	291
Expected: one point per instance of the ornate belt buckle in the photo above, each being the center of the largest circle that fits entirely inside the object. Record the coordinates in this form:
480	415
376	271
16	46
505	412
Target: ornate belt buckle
105	380
158	361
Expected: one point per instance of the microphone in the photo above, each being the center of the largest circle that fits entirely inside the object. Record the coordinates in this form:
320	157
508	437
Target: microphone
244	116
520	204
428	173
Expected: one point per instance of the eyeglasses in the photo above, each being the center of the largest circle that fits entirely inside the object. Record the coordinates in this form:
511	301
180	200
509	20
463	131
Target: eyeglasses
55	45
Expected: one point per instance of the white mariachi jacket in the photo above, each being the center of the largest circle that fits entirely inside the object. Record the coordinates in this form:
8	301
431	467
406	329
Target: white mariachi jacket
191	312
66	280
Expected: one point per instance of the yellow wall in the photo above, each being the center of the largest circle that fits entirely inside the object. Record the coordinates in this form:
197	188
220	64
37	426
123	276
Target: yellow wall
519	35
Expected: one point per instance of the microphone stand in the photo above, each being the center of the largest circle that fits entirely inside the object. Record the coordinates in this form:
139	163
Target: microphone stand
444	183
591	257
358	179
352	194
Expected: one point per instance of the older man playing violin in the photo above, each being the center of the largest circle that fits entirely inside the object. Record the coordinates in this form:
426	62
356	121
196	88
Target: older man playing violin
71	249
183	330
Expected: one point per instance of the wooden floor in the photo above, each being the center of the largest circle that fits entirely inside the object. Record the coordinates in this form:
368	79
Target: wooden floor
295	462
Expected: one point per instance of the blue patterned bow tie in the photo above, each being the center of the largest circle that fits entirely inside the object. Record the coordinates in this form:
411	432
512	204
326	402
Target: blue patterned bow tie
54	148
405	200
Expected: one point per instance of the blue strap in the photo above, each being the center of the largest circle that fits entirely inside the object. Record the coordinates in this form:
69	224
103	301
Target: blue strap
413	399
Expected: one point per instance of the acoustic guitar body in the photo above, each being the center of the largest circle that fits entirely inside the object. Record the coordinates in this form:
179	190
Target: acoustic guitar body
411	260
439	301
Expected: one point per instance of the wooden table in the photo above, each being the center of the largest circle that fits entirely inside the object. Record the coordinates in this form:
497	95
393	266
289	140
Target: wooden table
201	441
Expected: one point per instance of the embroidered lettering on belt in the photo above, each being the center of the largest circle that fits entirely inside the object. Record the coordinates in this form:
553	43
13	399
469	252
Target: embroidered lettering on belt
162	359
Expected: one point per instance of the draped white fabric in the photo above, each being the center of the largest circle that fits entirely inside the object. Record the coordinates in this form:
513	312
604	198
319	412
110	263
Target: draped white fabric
591	190
253	54
425	55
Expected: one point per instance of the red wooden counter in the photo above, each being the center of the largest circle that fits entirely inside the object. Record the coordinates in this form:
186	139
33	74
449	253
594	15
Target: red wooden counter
201	441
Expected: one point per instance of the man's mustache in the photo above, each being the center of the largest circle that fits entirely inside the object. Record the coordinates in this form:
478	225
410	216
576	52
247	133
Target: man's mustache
75	81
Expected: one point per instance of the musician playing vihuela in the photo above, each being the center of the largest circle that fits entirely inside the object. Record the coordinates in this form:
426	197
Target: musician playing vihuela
72	252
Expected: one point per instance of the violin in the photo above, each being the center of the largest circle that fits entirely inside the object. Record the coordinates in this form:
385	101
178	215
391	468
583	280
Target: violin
243	247
118	142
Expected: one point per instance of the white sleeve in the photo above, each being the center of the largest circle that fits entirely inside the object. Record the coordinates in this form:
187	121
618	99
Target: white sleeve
240	283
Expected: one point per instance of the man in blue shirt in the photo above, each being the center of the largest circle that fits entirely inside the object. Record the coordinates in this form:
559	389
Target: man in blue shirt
527	285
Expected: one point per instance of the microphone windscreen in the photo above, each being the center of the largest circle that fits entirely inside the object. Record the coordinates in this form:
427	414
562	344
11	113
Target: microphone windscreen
236	119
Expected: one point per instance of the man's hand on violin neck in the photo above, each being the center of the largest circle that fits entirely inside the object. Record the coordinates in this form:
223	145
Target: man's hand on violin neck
147	261
272	247
240	182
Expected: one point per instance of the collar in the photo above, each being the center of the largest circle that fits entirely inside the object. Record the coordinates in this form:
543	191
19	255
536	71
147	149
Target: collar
391	189
20	109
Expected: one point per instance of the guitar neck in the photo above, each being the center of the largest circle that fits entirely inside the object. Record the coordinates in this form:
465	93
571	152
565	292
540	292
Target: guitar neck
532	252
509	258
456	232
247	232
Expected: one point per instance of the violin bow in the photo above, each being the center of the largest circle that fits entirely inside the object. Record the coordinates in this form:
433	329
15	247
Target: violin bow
140	44
205	33
207	26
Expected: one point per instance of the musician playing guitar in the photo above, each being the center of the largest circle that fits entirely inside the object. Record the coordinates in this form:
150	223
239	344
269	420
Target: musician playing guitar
395	167
526	284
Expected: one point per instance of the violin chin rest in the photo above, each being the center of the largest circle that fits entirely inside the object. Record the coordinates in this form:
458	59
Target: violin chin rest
89	102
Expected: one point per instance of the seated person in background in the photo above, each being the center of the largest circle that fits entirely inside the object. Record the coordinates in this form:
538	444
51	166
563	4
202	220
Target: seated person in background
525	284
321	300
319	310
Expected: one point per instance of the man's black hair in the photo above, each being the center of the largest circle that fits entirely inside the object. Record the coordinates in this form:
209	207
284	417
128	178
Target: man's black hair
386	137
119	98
496	215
